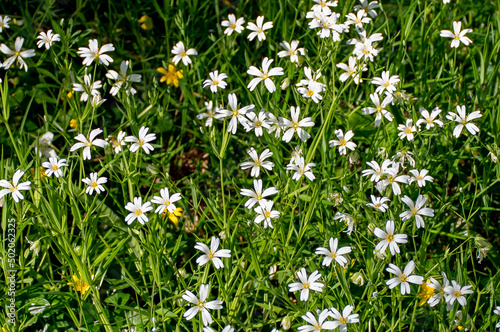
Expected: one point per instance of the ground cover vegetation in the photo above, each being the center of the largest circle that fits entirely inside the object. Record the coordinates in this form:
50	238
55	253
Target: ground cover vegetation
250	165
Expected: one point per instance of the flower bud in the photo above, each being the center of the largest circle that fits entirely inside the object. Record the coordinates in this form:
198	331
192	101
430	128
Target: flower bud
181	273
357	279
286	323
285	83
272	271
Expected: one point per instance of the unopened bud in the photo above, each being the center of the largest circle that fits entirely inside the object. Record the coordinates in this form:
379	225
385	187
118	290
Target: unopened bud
286	323
272	271
285	83
357	279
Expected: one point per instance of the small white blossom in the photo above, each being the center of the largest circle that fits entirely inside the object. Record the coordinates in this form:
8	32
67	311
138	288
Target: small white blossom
180	53
216	81
94	52
258	29
457	35
233	24
306	284
137	211
94	183
53	166
46	39
212	254
142	141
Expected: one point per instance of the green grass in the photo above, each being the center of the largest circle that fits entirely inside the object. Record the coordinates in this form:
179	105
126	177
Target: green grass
140	272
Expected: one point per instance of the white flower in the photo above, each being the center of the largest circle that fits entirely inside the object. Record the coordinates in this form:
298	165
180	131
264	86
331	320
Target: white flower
233	24
87	88
274	124
201	305
264	75
209	114
181	54
324	6
44	145
291	50
456	292
122	78
404	277
87	142
379	108
358	19
312	91
53	166
142	141
258	162
386	82
497	312
457	35
328	25
94	52
401	156
295	126
94	183
439	293
367	7
352	70
138	211
296	154
4	22
300	168
393	179
364	48
310	78
257	195
216	81
117	142
343	141
16	54
378	203
236	114
46	39
212	254
333	254
166	201
464	121
14	187
430	120
406	131
317	324
266	213
97	100
389	239
417	210
258	29
341	320
257	122
306	284
349	221
377	171
420	177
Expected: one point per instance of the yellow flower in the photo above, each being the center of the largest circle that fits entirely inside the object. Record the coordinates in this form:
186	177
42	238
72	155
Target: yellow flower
80	285
42	172
426	293
73	123
70	94
147	22
173	216
172	76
